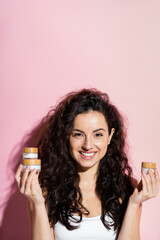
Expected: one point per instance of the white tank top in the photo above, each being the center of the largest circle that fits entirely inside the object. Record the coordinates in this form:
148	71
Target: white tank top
89	229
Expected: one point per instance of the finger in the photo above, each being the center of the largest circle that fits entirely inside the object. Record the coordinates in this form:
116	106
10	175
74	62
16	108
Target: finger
149	184
157	174
157	180
33	185
24	178
152	176
153	182
144	185
28	182
37	176
38	187
18	174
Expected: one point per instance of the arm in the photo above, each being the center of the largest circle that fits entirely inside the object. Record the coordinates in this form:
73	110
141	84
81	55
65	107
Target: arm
40	228
130	229
29	186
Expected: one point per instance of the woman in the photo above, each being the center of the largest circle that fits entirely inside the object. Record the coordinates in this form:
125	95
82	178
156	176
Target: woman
86	190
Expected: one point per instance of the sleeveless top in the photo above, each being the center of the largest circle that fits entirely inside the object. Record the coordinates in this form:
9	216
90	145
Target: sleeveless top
89	229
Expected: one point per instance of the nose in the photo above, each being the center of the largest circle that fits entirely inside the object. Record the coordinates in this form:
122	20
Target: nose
88	143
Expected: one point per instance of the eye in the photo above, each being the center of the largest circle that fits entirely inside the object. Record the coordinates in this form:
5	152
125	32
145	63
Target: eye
99	135
77	134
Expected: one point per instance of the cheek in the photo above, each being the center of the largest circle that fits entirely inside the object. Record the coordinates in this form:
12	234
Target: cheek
71	150
103	144
73	145
103	149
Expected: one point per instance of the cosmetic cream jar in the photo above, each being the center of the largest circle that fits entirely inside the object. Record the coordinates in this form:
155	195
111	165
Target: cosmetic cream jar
33	163
148	165
30	153
30	158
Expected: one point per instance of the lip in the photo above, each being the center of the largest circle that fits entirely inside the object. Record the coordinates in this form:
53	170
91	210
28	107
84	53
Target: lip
87	157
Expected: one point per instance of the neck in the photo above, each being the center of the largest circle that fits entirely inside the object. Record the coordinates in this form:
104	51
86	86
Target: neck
88	177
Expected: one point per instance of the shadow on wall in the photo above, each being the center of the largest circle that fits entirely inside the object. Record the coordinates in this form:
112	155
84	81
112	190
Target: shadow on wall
15	225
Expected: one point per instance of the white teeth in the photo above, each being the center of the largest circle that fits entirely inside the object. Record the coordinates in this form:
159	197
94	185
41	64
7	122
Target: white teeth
87	154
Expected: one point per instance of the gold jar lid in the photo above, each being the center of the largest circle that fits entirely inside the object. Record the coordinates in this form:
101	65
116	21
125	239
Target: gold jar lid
31	162
30	150
148	165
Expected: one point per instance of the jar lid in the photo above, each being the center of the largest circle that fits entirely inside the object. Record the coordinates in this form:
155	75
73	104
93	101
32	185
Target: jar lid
148	165
31	162
30	150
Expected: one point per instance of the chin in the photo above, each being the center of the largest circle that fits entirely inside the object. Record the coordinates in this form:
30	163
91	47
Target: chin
87	166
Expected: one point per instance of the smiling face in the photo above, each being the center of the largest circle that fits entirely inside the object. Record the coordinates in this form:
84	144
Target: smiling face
89	139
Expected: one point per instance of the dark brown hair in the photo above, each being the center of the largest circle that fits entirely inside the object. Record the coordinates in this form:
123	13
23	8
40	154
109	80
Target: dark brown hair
59	177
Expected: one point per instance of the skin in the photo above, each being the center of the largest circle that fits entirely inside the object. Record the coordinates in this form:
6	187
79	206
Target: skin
90	135
131	223
85	137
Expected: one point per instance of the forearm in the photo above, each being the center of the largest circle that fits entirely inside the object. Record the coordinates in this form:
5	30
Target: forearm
130	229
40	227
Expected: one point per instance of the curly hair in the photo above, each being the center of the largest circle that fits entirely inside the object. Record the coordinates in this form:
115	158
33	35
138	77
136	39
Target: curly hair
59	177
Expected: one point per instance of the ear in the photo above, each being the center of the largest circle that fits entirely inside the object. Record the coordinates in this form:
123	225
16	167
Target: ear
111	134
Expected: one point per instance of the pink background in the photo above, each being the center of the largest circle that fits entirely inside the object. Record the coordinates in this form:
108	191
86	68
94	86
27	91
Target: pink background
48	48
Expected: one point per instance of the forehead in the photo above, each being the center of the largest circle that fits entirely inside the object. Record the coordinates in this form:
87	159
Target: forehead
91	119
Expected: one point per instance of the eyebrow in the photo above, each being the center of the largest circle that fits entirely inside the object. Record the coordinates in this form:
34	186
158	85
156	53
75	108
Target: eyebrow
99	129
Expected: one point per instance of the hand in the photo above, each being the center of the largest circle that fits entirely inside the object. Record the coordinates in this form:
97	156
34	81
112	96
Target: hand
29	185
150	187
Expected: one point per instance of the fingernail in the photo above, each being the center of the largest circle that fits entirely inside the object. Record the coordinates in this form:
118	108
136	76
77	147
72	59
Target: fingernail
152	171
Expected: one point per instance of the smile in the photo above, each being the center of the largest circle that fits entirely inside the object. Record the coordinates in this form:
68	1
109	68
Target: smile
88	154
